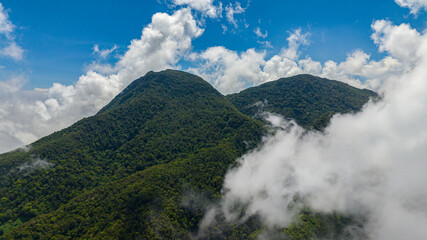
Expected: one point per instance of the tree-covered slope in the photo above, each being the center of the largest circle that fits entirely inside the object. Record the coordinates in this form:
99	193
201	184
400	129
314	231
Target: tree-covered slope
158	118
307	99
151	162
166	201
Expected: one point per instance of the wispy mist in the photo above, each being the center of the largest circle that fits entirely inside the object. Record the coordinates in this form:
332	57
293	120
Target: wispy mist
34	164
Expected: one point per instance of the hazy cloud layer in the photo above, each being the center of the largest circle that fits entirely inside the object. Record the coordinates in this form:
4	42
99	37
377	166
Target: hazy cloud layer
373	162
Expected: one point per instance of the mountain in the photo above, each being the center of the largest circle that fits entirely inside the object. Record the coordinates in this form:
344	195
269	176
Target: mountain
307	99
145	166
159	118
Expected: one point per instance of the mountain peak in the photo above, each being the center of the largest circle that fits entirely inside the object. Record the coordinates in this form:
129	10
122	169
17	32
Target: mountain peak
168	83
136	168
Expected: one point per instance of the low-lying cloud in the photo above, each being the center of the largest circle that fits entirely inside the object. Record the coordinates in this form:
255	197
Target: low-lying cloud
371	163
34	164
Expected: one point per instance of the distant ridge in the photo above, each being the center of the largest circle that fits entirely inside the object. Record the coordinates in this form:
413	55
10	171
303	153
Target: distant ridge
308	99
148	164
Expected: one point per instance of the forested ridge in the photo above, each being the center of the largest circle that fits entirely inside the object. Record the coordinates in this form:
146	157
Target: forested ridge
309	100
150	162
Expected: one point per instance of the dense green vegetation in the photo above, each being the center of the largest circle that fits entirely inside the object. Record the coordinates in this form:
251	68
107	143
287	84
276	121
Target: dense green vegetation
149	163
171	114
325	226
310	101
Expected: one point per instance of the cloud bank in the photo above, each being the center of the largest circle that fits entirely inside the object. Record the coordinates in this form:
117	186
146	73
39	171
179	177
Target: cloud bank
230	71
372	162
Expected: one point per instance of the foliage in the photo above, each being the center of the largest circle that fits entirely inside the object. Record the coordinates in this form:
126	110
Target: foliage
310	225
309	100
169	115
145	205
148	165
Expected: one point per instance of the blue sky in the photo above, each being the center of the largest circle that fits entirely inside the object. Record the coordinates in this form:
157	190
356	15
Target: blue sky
58	36
61	61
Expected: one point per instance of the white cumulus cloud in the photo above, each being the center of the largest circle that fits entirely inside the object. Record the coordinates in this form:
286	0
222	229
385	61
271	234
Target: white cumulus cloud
229	71
29	115
414	5
402	41
26	116
225	70
371	163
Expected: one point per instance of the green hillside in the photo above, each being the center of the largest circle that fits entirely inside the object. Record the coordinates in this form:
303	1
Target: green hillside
309	100
170	115
148	165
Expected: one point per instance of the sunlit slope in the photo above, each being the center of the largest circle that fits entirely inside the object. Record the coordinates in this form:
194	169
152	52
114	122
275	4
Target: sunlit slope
158	118
150	163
